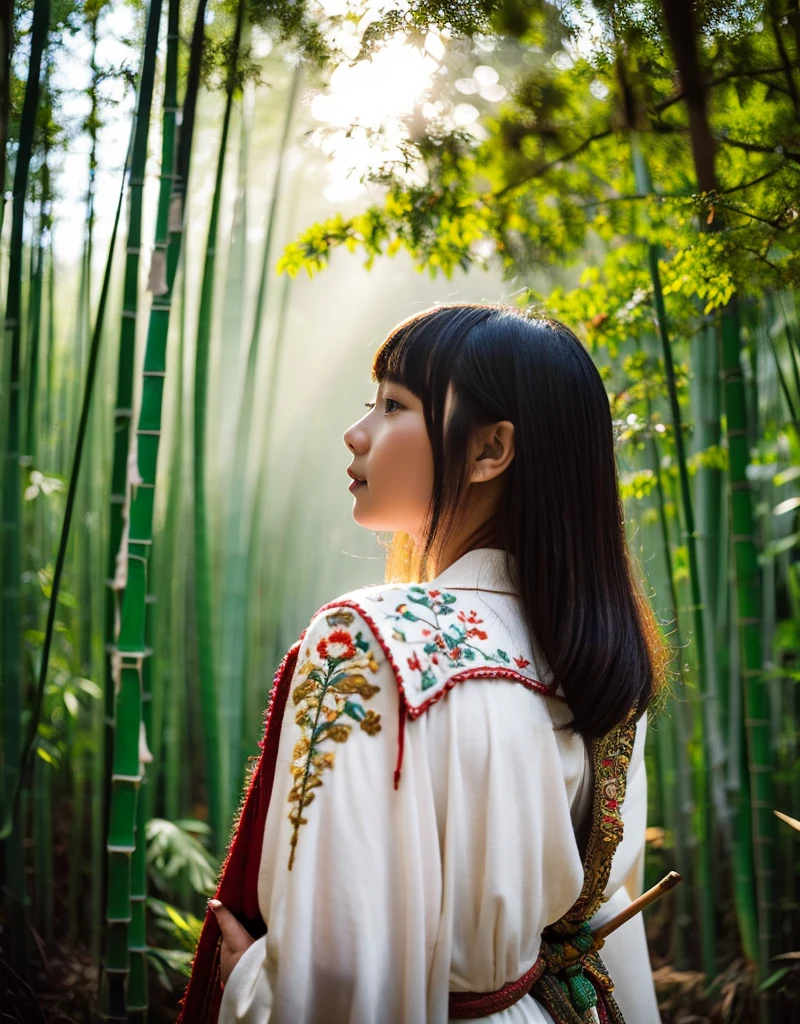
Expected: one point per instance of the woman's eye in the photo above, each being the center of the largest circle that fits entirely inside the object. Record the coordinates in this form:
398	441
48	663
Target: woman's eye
388	402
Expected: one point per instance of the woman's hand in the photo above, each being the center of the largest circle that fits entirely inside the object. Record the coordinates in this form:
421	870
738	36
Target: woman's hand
236	939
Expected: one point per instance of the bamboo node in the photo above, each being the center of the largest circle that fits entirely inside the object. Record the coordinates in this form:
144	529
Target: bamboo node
175	217
157	279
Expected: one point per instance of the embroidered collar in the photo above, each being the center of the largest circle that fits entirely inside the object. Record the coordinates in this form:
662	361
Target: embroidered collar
479	569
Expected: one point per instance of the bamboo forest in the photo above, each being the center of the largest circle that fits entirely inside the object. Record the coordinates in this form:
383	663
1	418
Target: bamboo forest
213	213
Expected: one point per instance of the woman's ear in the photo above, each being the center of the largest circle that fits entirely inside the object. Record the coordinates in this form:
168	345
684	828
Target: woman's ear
491	451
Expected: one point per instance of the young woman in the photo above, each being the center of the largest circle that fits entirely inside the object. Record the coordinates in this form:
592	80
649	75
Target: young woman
451	794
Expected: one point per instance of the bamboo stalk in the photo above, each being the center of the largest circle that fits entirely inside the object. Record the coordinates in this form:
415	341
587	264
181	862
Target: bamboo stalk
43	849
162	275
124	661
239	513
748	604
678	727
28	747
123	413
708	713
11	524
168	247
6	49
175	552
75	875
205	636
35	300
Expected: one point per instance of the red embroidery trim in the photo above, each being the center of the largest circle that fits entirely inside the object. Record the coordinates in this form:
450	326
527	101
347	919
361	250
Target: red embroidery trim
401	740
407	710
467	1005
487	672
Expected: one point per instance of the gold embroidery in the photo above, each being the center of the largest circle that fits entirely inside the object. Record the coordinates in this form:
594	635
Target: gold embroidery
611	757
332	689
575	978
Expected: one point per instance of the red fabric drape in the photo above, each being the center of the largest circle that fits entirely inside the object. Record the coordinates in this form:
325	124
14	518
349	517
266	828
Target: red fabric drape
238	885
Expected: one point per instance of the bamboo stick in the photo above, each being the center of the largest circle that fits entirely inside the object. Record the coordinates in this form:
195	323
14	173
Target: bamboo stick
639	904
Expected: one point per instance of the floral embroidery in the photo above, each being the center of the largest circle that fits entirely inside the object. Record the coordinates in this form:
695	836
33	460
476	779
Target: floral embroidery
329	699
454	641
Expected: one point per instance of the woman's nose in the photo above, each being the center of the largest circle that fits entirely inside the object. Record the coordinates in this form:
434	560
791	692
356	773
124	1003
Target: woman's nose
356	439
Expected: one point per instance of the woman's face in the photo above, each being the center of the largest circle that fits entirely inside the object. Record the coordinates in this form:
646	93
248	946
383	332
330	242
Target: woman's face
392	456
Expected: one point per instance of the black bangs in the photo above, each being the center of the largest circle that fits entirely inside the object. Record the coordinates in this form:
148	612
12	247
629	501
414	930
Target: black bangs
423	350
405	358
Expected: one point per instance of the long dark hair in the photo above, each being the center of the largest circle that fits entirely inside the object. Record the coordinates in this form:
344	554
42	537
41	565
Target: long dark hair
561	517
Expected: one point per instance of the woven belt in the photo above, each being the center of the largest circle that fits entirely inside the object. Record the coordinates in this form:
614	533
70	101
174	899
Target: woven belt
568	978
464	1005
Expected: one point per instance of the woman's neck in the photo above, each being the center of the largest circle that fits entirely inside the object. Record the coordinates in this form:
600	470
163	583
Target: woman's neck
485	535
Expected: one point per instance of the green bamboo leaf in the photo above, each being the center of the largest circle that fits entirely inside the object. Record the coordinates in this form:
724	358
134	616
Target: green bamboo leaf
777	547
46	756
786	476
89	687
773	979
786	506
71	703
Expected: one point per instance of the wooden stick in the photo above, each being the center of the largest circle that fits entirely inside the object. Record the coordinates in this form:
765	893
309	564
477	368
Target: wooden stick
789	821
668	882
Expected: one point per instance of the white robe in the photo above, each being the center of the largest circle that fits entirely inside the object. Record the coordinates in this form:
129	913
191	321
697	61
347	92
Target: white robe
398	896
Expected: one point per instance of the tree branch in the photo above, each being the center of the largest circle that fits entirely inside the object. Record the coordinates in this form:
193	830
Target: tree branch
755	147
712	83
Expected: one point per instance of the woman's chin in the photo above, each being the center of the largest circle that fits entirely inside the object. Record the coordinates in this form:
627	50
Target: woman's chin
370	521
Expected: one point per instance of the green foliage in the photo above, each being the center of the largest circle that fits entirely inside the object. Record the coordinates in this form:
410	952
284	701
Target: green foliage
183	931
555	171
174	852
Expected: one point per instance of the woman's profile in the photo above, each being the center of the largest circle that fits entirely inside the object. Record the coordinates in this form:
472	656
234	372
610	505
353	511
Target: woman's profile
451	793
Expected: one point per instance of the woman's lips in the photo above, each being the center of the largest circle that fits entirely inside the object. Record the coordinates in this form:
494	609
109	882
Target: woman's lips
355	484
